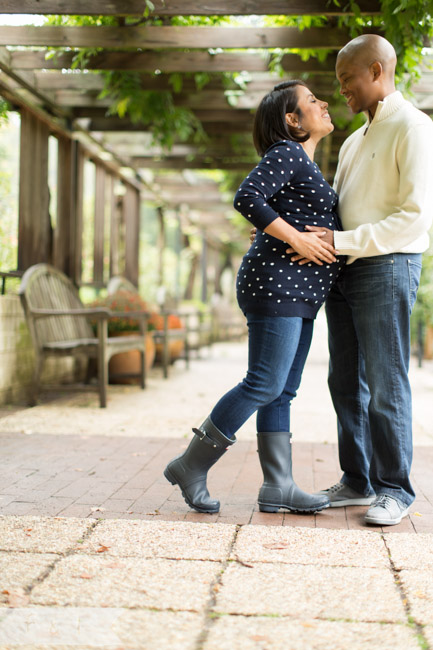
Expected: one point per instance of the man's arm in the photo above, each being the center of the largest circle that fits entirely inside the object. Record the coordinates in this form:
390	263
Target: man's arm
413	216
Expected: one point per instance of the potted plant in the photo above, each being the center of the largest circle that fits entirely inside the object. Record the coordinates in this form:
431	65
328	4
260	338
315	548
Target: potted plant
176	341
125	304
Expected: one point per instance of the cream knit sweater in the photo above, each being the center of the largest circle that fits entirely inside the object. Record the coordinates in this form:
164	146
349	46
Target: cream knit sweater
384	180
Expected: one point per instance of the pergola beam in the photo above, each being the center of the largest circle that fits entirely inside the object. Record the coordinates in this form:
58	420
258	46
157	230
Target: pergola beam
180	164
53	80
165	62
184	7
229	114
176	37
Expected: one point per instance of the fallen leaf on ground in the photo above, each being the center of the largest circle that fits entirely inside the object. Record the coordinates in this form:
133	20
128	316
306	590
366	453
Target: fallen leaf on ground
18	598
102	548
276	545
84	576
417	514
97	508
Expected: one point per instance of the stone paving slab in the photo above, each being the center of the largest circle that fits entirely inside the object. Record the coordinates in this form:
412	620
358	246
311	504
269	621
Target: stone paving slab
86	628
428	633
418	585
311	546
240	598
164	539
368	595
18	572
257	633
411	551
89	581
44	535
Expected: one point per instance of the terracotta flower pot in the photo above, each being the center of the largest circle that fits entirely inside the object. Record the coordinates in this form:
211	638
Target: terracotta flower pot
125	364
175	348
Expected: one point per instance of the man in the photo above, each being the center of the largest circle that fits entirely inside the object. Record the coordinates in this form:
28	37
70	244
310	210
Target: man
384	180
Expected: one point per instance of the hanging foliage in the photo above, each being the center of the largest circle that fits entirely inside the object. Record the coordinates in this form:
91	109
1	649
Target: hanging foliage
407	24
156	110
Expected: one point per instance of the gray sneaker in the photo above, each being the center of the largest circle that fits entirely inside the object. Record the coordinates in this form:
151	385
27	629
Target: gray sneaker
386	511
341	495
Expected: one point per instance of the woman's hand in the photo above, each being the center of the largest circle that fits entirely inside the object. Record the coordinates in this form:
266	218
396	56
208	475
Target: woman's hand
306	246
312	247
327	237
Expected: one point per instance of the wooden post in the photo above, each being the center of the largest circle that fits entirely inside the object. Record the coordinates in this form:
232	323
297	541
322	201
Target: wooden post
34	226
79	159
204	262
161	246
131	207
98	259
65	232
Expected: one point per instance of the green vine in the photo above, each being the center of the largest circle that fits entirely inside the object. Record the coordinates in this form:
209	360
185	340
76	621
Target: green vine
4	111
407	24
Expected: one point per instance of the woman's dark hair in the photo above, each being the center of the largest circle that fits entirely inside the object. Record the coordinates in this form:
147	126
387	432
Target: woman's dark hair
270	124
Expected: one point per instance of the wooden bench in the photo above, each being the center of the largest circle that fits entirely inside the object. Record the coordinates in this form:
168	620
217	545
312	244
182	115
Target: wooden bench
164	335
59	325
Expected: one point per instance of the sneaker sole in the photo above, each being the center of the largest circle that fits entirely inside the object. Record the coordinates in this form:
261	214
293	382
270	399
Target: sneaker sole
364	501
386	522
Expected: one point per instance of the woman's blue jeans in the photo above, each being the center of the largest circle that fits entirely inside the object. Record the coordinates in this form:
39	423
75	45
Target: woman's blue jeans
277	350
368	312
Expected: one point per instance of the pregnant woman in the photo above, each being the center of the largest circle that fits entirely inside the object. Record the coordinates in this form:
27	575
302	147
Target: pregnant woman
280	299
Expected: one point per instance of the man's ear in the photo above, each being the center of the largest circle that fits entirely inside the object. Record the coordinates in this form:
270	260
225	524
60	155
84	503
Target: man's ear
376	70
292	119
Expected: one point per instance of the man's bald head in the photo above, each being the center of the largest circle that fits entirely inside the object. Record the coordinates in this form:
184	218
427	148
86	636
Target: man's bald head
368	48
365	69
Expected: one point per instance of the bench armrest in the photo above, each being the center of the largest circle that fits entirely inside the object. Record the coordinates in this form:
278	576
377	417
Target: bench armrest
99	313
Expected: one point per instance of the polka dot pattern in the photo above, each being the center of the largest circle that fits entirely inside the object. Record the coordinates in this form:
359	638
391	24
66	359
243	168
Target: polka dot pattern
287	184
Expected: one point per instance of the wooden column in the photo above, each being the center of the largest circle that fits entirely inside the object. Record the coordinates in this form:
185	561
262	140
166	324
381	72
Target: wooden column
34	229
98	255
204	263
65	233
79	160
161	246
131	208
114	229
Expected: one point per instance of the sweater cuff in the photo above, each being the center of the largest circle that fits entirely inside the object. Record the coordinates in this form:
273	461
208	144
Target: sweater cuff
344	241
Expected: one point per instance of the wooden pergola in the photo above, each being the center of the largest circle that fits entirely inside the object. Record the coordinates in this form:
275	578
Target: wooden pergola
55	99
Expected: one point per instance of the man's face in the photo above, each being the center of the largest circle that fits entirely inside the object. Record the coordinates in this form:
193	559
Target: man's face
356	84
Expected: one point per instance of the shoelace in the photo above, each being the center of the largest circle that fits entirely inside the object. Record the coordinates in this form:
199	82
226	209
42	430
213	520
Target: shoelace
335	488
383	500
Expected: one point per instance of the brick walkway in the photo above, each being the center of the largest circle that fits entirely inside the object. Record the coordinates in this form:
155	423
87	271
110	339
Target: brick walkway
121	477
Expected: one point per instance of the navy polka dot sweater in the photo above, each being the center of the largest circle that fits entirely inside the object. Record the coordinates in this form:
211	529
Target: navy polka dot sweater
286	184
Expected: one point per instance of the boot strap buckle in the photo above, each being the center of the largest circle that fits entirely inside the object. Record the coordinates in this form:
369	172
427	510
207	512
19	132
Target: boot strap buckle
201	434
203	437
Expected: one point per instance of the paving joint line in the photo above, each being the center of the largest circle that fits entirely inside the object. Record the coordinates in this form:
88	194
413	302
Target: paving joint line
417	627
43	576
214	588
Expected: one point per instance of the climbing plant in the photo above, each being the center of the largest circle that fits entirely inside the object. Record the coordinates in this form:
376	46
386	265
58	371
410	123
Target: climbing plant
166	121
407	24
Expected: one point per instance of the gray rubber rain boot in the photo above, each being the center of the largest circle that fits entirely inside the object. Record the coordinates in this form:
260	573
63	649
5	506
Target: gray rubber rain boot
279	489
189	470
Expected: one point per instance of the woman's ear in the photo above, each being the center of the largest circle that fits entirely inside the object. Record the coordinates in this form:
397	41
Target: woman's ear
292	119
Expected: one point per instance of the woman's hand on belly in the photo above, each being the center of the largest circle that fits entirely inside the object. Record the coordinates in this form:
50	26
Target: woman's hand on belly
327	239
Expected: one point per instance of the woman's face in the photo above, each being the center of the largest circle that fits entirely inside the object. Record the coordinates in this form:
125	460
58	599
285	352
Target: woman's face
314	117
